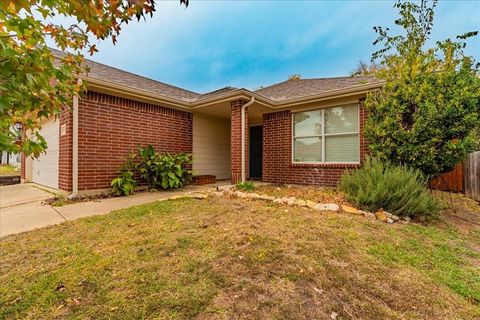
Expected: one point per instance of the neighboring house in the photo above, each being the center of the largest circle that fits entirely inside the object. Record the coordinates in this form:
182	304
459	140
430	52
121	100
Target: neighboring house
10	158
301	131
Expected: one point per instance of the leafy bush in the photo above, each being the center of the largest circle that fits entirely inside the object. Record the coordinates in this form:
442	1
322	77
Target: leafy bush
124	185
246	186
394	188
171	172
160	171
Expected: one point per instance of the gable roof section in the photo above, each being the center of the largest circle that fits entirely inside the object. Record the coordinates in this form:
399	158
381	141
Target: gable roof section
124	78
297	88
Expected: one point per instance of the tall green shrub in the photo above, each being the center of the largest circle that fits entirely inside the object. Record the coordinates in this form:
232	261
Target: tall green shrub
395	188
427	115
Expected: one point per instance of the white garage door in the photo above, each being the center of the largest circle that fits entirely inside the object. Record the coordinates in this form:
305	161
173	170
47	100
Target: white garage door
45	168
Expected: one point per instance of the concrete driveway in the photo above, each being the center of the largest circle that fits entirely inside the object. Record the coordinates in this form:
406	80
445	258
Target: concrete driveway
21	209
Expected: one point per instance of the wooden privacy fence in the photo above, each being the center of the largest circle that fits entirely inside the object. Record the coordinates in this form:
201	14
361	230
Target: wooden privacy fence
465	177
472	176
450	181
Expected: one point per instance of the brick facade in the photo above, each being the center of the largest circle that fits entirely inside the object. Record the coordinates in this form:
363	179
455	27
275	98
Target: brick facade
65	150
277	155
111	127
236	140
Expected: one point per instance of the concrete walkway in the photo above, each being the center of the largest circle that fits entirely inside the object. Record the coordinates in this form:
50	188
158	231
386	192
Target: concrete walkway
21	207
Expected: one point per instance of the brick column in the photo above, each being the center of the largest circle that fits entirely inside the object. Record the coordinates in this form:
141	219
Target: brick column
65	149
236	141
22	167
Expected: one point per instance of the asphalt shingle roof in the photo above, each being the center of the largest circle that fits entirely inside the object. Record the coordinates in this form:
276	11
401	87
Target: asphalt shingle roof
297	88
290	89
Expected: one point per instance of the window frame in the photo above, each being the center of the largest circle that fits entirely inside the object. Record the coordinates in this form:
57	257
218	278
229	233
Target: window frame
324	135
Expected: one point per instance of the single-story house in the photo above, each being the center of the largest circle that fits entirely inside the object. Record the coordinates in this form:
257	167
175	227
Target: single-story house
300	131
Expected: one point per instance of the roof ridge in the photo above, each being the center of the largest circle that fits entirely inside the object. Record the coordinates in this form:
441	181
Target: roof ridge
322	78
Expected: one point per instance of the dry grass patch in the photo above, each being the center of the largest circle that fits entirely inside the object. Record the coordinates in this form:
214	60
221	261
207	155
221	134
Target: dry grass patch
8	170
223	258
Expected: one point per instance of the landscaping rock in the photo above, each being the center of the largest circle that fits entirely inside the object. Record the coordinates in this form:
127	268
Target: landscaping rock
291	201
407	219
368	215
266	197
381	216
352	210
389	220
199	195
327	207
311	204
395	217
300	203
241	194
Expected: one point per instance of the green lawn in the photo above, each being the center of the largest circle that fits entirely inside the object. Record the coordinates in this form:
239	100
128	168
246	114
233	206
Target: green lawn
6	170
234	258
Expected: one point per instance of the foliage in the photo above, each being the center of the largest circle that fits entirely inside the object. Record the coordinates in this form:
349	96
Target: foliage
35	84
125	184
162	171
395	188
246	186
159	171
365	69
295	76
148	165
427	114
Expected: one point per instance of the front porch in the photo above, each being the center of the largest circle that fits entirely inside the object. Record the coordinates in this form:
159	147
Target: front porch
217	140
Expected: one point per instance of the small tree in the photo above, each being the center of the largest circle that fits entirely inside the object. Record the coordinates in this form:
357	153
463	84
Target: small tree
35	85
427	114
365	69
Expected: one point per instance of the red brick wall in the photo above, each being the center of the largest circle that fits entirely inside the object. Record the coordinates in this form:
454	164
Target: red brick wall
65	150
236	141
277	155
22	166
111	127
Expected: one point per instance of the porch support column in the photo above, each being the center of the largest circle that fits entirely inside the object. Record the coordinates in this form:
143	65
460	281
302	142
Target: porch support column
236	141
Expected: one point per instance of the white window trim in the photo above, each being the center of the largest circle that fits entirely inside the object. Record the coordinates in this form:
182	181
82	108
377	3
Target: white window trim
323	135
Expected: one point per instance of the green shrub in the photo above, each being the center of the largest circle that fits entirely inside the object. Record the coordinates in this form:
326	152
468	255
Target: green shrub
124	185
246	186
171	173
159	171
394	188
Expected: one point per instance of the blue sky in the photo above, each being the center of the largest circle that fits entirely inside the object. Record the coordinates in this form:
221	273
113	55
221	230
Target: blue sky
248	44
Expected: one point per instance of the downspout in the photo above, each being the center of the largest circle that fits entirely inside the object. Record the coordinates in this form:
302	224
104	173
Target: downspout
244	107
74	149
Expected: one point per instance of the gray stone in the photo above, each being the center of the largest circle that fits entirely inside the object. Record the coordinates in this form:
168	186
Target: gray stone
394	217
327	207
389	220
368	215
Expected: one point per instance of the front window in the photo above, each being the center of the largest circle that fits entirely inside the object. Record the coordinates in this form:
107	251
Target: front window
327	135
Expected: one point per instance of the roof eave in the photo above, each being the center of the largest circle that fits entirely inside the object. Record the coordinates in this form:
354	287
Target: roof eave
331	94
143	95
134	93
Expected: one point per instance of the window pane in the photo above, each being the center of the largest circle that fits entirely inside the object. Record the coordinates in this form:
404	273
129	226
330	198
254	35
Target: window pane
307	123
308	150
342	148
341	119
